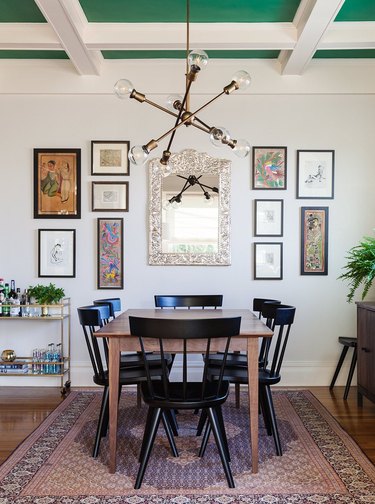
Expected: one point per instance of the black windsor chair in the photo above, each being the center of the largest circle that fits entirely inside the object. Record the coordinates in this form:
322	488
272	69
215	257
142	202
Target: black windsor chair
164	396
279	318
189	301
92	318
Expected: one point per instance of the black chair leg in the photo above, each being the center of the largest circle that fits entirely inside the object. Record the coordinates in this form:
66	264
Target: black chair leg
101	422
202	421
150	435
272	416
219	442
139	395
150	412
171	415
338	367
219	414
205	438
237	394
264	410
351	372
169	433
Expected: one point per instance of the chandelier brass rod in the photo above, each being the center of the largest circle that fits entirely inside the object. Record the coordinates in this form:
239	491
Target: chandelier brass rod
183	121
180	113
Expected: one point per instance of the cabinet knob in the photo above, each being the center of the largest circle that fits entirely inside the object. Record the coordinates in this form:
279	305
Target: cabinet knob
367	350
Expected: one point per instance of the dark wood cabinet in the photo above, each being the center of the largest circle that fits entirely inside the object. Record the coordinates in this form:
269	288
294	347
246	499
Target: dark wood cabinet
366	350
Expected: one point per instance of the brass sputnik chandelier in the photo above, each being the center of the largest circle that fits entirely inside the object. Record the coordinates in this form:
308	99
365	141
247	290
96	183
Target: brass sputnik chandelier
179	107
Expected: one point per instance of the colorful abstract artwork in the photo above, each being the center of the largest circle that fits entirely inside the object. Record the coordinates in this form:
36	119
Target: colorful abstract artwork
314	243
110	254
269	168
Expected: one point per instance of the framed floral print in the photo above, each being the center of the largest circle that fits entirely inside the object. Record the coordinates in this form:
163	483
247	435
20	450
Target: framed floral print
57	183
269	168
110	273
314	241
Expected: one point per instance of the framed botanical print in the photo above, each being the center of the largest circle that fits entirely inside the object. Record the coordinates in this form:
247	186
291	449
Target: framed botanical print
110	273
56	253
57	183
314	241
269	168
315	174
109	157
110	196
268	261
268	217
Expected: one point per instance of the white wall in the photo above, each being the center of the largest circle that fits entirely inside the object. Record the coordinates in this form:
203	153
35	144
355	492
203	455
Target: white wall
45	104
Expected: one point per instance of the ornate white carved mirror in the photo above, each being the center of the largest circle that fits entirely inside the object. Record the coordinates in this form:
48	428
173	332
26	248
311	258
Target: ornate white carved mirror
196	230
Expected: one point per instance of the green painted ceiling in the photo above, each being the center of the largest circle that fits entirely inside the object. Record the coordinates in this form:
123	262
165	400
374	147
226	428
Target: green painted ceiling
201	11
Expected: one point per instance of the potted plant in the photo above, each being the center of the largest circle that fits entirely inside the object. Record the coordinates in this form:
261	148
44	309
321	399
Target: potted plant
360	268
46	295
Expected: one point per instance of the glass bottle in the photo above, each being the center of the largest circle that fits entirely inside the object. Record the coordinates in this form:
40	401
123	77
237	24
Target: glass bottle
14	301
6	307
2	296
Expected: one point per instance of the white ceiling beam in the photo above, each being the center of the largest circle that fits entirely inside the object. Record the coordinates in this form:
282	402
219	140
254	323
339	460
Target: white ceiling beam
67	19
349	35
28	36
171	36
312	20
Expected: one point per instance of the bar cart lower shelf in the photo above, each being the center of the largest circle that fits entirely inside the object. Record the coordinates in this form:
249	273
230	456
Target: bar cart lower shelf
41	367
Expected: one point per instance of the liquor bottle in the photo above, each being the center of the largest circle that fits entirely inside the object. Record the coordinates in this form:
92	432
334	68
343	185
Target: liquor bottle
2	296
14	300
6	308
25	304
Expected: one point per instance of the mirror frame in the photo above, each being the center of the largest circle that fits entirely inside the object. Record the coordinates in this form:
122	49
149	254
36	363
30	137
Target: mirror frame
189	162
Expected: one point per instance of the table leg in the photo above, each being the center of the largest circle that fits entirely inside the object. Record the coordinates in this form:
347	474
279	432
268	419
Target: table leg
252	363
114	375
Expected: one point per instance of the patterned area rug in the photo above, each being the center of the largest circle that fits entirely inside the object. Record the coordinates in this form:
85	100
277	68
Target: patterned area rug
320	463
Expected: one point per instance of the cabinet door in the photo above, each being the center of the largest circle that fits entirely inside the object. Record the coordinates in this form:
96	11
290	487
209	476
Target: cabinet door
366	350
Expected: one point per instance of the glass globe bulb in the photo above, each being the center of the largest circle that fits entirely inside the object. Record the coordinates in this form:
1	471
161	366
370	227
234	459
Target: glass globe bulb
242	148
176	204
166	205
138	155
208	201
198	58
173	98
166	170
242	78
123	88
219	136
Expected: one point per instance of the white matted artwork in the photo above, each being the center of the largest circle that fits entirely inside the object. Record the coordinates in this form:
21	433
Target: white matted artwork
268	261
268	217
110	196
315	174
56	253
109	157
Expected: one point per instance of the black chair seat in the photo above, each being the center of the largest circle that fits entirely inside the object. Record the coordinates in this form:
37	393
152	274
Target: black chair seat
347	341
193	398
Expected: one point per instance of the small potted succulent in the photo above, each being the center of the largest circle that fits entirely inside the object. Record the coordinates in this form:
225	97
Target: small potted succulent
46	295
360	268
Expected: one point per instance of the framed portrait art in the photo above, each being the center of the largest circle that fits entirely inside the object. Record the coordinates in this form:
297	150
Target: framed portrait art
268	217
269	168
109	157
315	174
268	261
110	196
314	241
110	253
56	253
57	183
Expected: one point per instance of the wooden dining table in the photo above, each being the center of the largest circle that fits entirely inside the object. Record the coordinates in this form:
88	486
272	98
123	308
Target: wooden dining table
120	340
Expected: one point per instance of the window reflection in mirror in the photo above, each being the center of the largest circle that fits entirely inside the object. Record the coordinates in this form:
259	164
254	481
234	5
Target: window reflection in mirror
191	232
192	225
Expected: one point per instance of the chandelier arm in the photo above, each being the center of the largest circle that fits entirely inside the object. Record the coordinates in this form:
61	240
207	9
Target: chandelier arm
180	113
183	121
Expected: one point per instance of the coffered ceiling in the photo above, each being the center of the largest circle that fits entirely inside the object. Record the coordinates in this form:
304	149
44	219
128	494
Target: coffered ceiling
87	32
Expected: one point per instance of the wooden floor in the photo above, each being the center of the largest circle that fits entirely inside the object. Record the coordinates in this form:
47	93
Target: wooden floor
23	409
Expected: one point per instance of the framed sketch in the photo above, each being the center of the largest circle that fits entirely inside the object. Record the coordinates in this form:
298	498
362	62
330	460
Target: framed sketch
268	261
110	196
110	253
109	157
315	174
56	253
268	217
314	241
269	168
57	183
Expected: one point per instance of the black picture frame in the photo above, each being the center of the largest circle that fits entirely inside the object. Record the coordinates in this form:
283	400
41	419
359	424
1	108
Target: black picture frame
110	196
314	240
268	217
57	183
56	253
315	174
110	253
269	168
110	157
268	260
